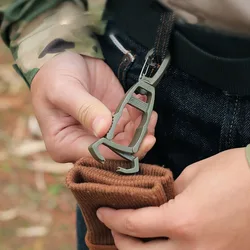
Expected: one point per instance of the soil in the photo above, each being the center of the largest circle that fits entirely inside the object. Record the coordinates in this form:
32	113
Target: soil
50	207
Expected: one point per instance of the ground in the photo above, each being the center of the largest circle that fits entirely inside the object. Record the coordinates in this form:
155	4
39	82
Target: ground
37	211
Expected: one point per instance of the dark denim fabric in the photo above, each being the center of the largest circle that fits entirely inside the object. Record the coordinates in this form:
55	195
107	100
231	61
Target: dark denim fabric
195	120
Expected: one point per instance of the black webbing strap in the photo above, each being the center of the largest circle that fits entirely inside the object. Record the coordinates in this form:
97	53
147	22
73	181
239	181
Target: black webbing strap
163	35
139	20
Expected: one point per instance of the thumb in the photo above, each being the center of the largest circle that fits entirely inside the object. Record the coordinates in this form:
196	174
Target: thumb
145	222
89	111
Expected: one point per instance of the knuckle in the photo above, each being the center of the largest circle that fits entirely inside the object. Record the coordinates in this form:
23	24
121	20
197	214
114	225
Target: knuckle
188	171
54	94
130	225
56	88
186	175
55	151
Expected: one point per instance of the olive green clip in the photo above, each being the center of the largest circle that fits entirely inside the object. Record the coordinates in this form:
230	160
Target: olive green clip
145	86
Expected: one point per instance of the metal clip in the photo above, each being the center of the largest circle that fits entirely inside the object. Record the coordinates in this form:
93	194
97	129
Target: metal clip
145	86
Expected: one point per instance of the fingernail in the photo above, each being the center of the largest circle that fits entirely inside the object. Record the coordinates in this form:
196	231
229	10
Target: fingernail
99	215
98	125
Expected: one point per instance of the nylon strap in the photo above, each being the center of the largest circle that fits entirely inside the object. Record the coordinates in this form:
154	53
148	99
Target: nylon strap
163	35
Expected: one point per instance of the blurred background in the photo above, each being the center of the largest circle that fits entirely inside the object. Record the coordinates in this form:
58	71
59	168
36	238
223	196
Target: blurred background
37	211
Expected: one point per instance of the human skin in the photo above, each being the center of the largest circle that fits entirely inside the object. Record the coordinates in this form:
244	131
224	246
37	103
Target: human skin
211	210
225	15
74	97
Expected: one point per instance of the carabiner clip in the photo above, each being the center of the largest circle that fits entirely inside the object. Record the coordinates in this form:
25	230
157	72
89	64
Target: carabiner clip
145	86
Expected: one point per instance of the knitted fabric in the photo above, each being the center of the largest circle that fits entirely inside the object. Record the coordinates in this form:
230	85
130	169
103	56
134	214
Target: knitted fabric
96	185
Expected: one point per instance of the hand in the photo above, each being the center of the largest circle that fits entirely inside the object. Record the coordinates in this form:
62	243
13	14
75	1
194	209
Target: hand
211	210
221	15
73	99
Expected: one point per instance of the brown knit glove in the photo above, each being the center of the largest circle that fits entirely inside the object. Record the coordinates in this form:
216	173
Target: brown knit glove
97	185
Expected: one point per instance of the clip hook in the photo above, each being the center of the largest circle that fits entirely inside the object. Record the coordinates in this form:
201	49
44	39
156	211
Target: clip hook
145	86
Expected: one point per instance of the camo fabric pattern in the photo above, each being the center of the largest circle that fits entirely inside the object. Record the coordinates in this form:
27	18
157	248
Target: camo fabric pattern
35	30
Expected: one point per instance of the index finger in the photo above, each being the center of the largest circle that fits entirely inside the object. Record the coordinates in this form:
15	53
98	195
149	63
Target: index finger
147	222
